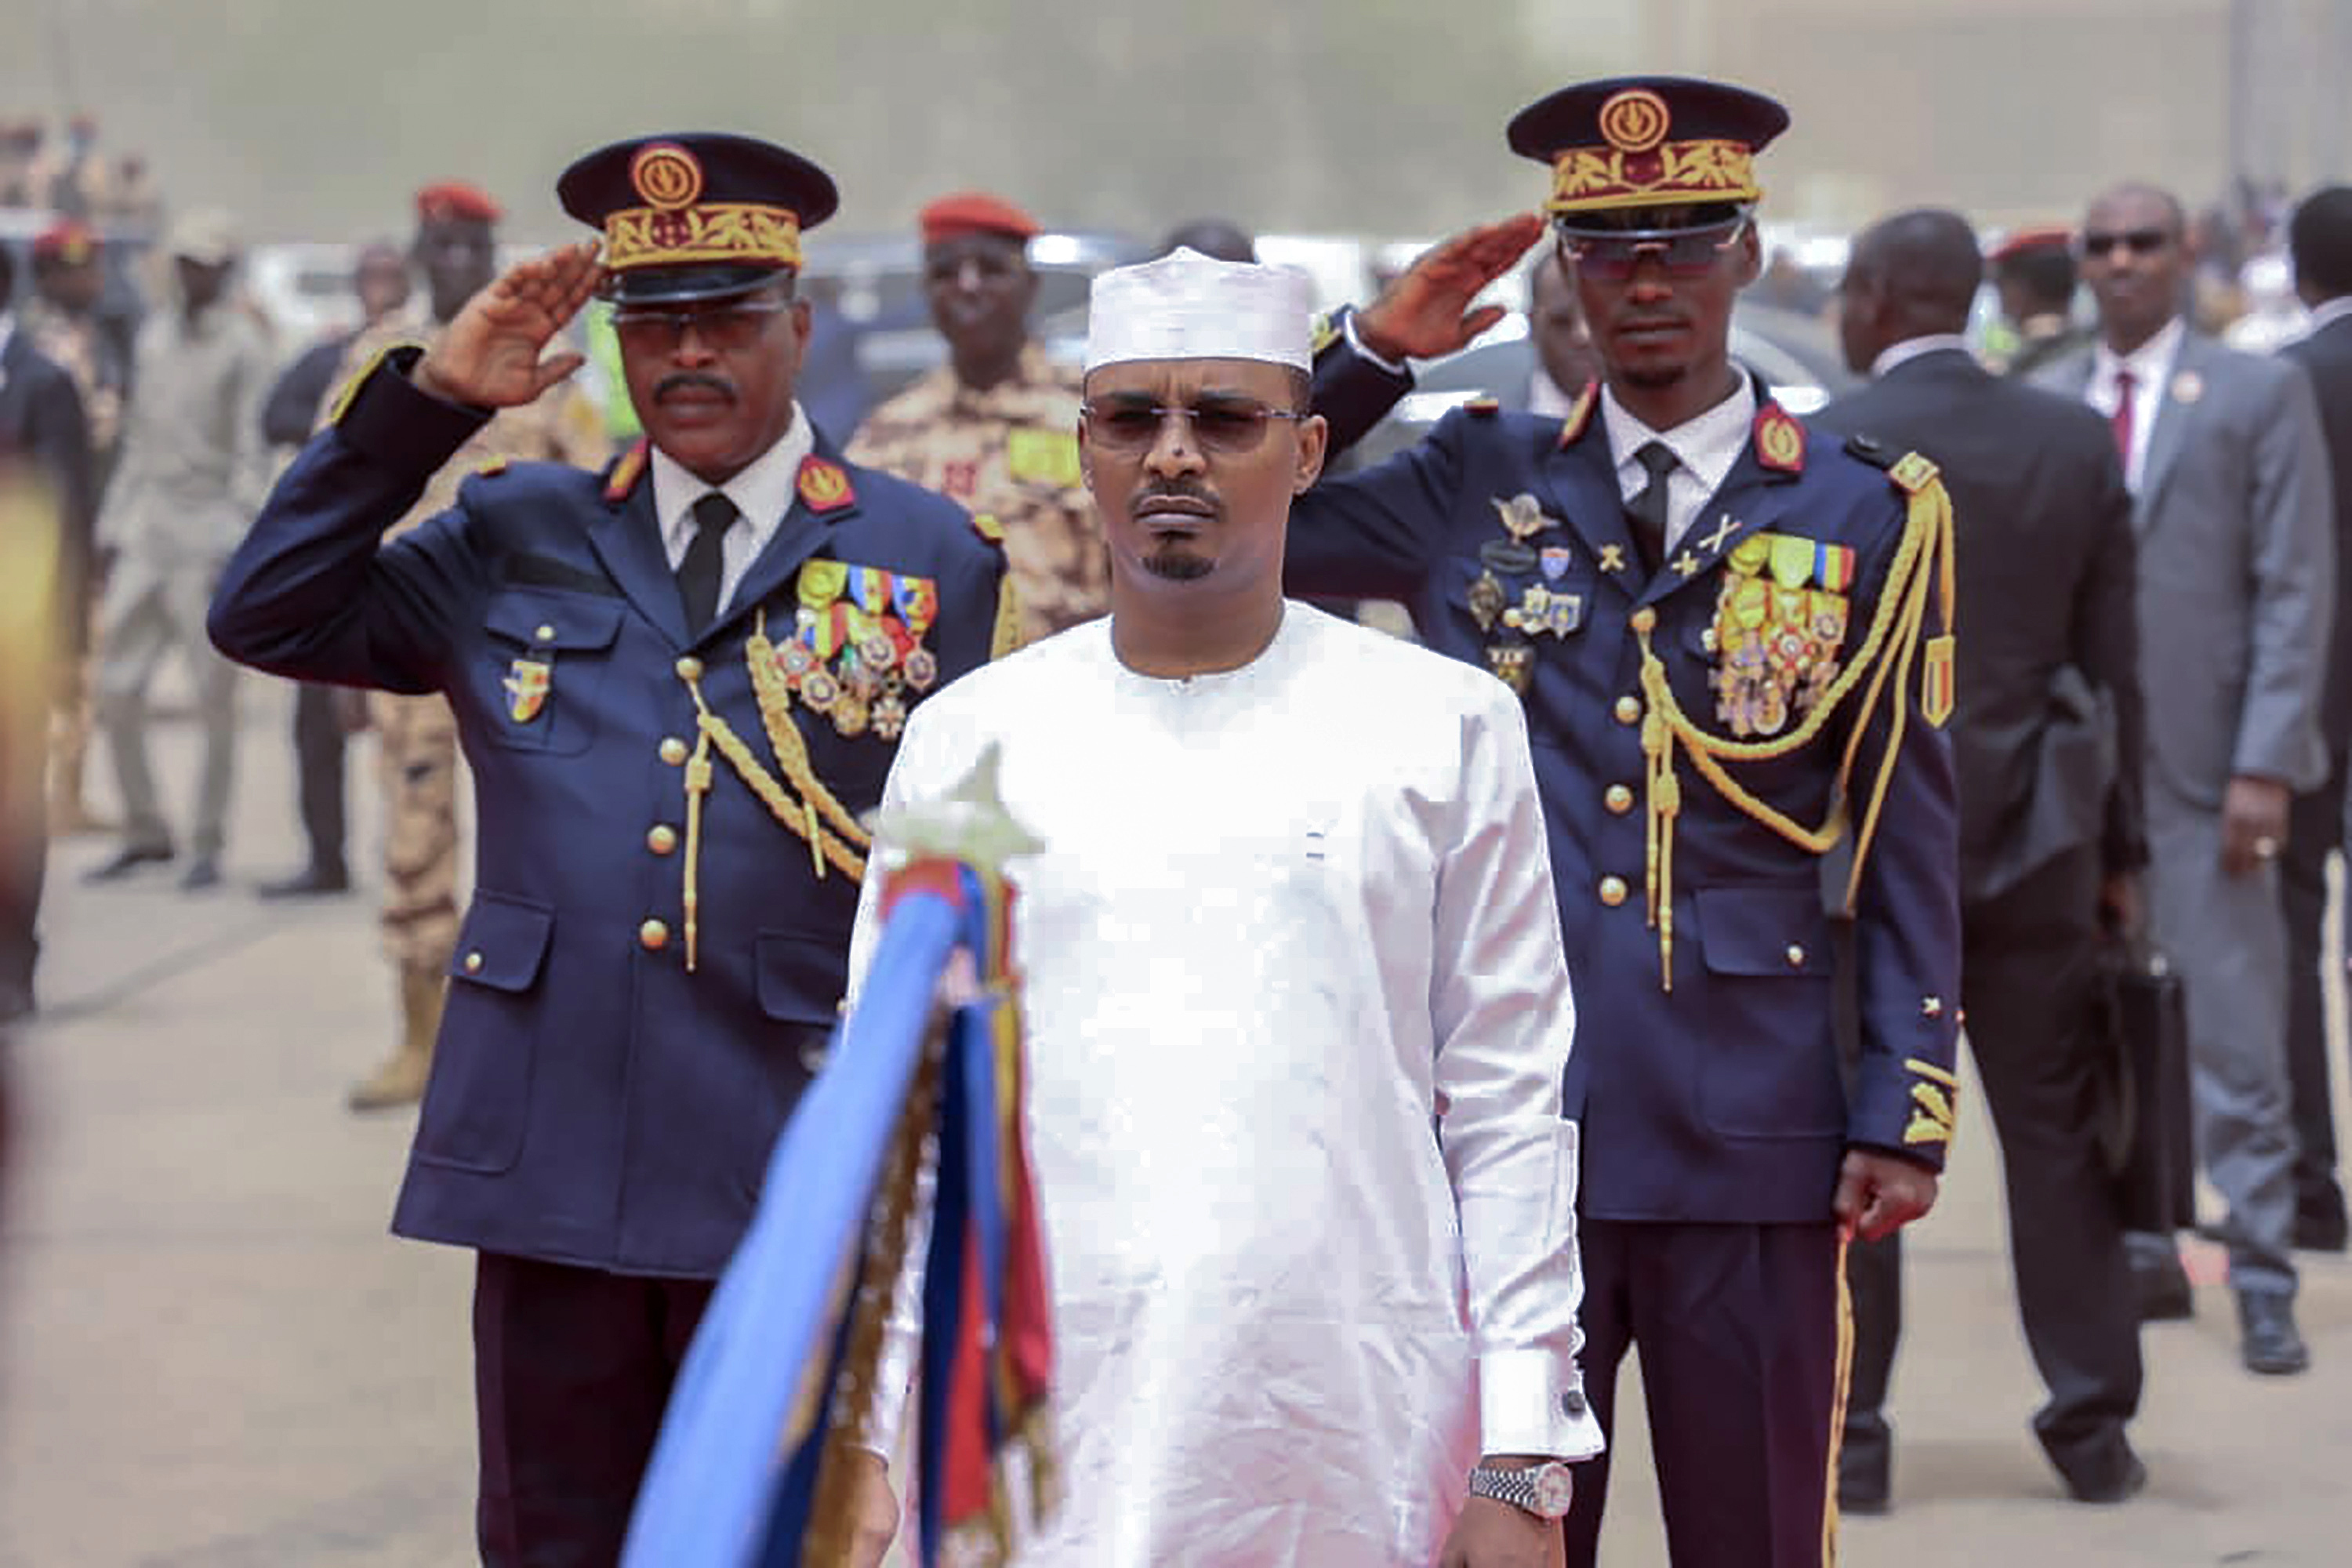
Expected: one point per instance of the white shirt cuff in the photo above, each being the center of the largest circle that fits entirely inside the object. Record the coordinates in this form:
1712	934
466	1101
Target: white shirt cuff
1356	341
1524	1408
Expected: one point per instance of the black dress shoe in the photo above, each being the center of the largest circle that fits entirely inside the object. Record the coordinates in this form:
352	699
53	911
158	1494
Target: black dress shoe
204	872
312	882
127	859
1866	1463
2269	1343
2123	1483
2162	1290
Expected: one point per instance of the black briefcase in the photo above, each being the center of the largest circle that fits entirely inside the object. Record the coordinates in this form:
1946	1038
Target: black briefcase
2145	1124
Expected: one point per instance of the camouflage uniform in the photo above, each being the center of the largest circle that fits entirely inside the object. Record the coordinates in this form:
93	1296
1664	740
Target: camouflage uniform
75	345
1011	453
416	737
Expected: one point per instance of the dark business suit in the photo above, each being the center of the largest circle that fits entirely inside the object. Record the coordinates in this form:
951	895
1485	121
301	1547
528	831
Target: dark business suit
2049	707
44	437
2316	829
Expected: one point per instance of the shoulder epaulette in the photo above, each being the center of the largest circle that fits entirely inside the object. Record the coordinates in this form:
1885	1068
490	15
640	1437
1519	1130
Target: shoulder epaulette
1913	473
491	466
985	525
1482	407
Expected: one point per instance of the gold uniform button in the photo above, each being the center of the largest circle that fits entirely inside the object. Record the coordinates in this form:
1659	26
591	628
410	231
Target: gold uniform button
673	752
1643	619
1629	709
1612	891
653	936
474	962
545	633
1618	800
689	668
1796	956
662	838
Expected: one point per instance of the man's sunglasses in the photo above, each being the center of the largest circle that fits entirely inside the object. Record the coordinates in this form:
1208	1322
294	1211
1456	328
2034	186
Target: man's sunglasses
1230	427
2145	241
724	328
1610	255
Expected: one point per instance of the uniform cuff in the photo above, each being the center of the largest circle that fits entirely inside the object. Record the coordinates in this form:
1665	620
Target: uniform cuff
1356	341
1526	1406
390	419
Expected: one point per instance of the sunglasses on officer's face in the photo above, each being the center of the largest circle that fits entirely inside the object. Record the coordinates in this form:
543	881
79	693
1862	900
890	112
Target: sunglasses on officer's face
2141	241
1610	255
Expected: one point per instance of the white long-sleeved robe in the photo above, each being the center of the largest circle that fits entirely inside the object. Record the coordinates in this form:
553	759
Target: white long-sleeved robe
1298	1020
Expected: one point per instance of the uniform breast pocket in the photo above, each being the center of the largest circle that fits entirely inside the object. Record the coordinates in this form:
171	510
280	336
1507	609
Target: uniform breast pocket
546	657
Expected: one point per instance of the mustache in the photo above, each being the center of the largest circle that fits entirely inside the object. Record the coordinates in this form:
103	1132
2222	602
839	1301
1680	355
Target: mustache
1199	495
1633	319
686	380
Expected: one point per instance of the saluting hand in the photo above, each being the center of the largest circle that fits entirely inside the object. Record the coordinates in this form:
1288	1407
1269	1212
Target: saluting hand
490	356
1426	311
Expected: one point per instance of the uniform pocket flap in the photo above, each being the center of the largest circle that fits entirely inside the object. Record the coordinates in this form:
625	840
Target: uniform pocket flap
801	978
1763	930
503	943
552	621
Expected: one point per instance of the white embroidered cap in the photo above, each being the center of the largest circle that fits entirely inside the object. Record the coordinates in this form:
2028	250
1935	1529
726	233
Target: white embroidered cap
1186	305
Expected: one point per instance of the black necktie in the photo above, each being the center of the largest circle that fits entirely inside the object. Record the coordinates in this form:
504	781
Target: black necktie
1648	509
699	574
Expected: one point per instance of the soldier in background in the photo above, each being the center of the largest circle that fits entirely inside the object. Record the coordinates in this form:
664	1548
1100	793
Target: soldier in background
2034	272
995	429
134	199
62	320
455	252
20	162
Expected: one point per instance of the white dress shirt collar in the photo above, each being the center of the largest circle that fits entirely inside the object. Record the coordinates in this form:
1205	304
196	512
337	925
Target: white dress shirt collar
1909	349
2326	312
2152	368
1706	447
762	494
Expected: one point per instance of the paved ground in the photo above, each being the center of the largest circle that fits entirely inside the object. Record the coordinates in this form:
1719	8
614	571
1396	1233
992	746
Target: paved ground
212	1356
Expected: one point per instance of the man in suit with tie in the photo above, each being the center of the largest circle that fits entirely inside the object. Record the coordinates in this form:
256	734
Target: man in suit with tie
2230	491
2049	708
2319	239
48	501
680	684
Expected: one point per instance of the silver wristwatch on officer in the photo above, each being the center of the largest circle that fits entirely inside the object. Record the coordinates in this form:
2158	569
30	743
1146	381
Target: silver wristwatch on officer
1544	1490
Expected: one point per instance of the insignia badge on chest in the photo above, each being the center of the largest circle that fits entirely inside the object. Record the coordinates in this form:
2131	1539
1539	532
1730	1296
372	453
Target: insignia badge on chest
1037	455
528	683
1780	626
1512	663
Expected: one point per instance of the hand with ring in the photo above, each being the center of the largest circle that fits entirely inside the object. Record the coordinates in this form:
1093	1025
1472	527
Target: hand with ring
2253	823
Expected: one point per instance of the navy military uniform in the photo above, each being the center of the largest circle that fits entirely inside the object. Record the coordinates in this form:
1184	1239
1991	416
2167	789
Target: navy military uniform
1735	751
669	845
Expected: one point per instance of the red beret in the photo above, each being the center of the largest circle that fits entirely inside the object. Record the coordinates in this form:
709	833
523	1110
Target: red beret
456	200
68	240
974	212
2039	236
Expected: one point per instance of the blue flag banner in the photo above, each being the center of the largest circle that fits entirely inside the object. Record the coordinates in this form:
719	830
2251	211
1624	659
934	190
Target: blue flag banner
754	1464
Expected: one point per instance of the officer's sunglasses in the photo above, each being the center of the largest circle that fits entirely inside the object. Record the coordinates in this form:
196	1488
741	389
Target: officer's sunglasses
1228	426
2142	241
1610	255
723	328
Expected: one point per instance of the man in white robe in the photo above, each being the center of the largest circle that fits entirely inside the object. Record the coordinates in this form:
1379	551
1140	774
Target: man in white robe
1298	1014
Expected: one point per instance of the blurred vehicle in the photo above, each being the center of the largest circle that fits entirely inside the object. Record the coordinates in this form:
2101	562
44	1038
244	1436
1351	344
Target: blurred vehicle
1797	357
875	283
1343	270
126	251
304	288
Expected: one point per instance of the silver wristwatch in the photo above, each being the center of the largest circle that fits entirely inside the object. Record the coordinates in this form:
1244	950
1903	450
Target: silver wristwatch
1544	1490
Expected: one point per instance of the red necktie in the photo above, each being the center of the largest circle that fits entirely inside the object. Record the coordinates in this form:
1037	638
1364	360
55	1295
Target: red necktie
2121	420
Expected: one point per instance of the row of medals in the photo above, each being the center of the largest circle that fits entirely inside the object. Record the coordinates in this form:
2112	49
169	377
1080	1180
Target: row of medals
865	686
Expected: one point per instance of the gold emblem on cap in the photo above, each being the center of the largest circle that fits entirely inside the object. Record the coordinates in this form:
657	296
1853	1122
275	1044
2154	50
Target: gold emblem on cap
666	175
1635	121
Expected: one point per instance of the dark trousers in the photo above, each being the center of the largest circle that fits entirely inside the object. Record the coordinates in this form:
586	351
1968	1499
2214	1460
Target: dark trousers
1740	1332
2028	960
2314	830
572	1368
319	742
23	848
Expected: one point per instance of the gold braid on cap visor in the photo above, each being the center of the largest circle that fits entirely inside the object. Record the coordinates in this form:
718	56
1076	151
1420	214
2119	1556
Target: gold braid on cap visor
1598	179
746	232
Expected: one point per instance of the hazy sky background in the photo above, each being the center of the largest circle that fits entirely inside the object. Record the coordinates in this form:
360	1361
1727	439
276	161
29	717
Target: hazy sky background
314	119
